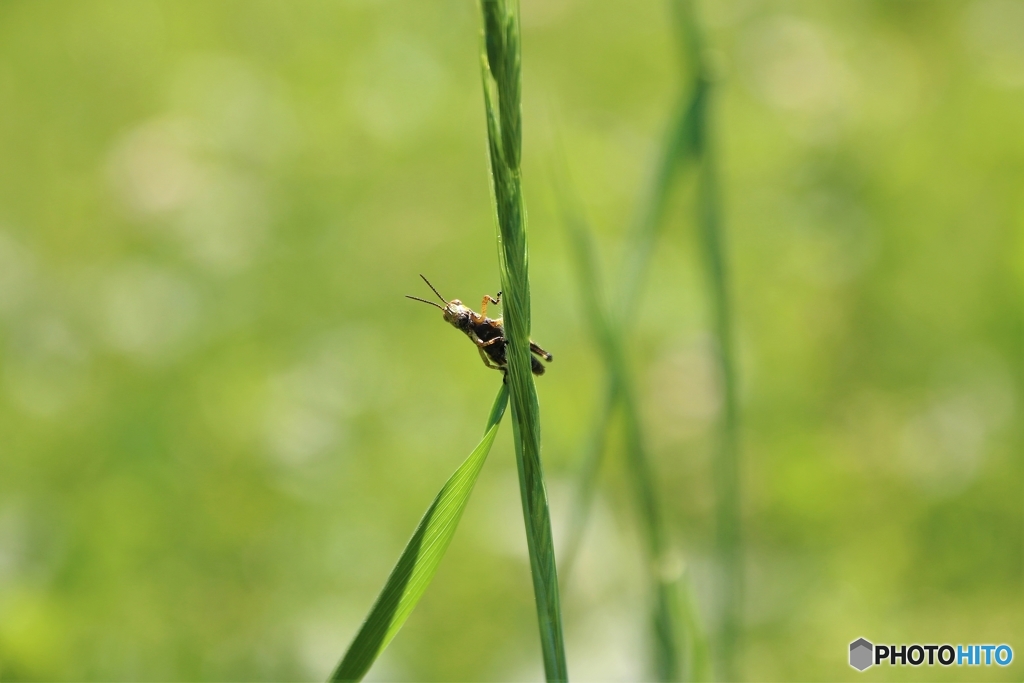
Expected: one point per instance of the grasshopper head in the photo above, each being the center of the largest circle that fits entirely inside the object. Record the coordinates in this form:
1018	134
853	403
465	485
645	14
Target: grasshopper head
454	311
458	314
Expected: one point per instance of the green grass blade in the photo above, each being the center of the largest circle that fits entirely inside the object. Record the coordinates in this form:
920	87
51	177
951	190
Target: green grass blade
420	559
727	461
586	481
664	622
690	42
685	143
584	261
667	658
502	89
695	646
677	150
728	537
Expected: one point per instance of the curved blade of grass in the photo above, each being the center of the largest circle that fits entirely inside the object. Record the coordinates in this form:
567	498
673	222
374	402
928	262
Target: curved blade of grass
686	142
726	465
695	645
728	536
677	150
500	70
585	264
664	621
418	563
586	482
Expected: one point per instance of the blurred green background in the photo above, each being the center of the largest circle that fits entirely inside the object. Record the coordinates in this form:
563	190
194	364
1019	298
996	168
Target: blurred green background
220	421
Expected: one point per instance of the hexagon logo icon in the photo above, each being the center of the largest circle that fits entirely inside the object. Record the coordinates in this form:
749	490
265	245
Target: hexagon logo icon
861	654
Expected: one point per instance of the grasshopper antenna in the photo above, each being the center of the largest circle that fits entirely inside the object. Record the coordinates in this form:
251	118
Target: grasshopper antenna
416	298
435	291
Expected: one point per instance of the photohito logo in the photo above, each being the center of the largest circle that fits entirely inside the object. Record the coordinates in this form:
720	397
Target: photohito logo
863	654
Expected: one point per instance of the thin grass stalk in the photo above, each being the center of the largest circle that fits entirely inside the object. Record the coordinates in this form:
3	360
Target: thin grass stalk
501	75
728	538
697	659
620	396
585	263
677	150
664	620
586	481
685	142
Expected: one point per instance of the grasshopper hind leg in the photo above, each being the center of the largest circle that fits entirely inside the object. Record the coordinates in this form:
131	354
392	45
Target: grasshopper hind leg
540	352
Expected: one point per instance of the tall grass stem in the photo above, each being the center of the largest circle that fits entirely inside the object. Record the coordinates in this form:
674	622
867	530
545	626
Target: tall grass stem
501	75
686	143
728	537
619	397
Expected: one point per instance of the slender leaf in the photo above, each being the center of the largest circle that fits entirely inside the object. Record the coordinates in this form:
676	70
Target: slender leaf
695	643
586	481
420	559
685	143
664	621
677	150
728	537
500	70
727	458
